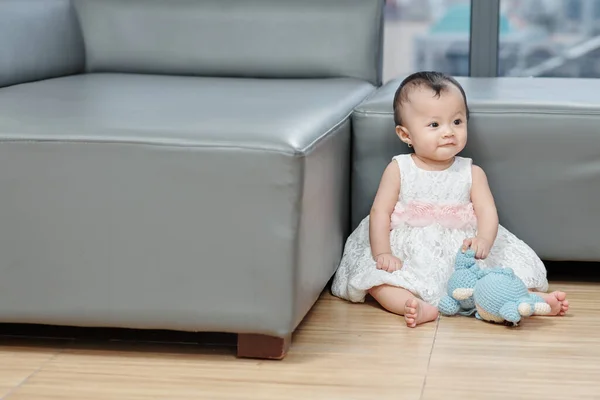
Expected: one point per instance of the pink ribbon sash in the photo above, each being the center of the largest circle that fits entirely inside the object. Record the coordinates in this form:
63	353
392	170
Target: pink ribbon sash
456	216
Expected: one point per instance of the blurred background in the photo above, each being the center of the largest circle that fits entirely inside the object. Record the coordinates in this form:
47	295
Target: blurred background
550	38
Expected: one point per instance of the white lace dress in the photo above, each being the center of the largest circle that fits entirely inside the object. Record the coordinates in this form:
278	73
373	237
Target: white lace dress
433	216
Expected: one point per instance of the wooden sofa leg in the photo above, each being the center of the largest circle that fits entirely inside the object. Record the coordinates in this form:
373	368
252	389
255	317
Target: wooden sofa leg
263	346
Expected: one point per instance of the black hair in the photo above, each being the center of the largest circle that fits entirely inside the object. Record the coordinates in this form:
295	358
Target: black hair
437	81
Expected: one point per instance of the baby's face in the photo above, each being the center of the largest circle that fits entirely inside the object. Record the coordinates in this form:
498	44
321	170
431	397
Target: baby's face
437	126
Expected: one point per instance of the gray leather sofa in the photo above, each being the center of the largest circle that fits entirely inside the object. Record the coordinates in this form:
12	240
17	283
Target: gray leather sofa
178	164
538	141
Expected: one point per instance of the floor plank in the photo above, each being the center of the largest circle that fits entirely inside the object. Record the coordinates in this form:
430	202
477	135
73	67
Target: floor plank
341	351
19	360
543	358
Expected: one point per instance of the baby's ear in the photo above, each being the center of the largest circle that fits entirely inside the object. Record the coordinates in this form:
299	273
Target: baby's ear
403	134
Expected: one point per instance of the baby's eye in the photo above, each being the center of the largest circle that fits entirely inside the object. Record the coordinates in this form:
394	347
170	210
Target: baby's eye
434	125
457	121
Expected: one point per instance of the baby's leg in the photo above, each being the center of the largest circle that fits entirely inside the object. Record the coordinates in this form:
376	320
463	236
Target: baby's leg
559	305
402	302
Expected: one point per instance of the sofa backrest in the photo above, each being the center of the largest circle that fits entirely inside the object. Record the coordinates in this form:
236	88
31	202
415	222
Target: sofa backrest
39	39
235	38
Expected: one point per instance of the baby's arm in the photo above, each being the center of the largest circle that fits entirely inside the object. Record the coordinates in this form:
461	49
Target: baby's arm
382	209
487	215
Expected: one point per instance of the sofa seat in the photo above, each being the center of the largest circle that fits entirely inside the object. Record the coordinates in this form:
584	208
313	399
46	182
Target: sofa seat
279	115
129	200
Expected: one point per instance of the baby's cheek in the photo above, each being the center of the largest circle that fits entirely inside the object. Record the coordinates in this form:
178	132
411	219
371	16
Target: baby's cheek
431	145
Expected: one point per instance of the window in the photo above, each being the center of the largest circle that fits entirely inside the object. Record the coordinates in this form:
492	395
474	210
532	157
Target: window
426	35
551	38
526	38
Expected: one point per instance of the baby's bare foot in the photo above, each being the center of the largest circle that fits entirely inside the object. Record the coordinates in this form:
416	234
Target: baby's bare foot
417	312
559	305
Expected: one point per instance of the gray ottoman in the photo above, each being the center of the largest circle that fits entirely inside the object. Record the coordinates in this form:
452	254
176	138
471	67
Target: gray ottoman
539	143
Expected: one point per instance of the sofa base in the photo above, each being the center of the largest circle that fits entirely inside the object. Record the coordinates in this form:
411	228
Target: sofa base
263	346
254	346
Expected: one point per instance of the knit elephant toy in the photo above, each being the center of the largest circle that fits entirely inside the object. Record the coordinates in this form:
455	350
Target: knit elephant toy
493	295
461	285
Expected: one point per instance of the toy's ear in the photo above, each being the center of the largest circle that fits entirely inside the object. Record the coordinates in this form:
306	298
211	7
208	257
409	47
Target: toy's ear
510	312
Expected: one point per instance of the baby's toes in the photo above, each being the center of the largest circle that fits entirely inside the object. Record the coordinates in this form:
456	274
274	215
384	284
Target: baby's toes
564	307
410	307
560	296
411	320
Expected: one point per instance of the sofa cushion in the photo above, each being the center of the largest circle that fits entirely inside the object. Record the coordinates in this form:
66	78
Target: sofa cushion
282	115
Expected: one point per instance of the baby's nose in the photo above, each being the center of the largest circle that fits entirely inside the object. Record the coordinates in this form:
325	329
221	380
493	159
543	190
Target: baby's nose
449	132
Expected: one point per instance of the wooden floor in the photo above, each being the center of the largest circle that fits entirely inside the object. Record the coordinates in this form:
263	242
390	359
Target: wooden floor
341	351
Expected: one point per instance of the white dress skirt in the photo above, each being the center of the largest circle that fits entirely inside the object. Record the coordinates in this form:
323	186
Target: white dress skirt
432	217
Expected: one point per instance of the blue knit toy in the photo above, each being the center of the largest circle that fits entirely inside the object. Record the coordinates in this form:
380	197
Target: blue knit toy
460	286
494	295
501	296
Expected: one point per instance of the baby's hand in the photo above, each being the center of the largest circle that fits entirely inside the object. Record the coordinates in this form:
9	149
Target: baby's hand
388	262
480	246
